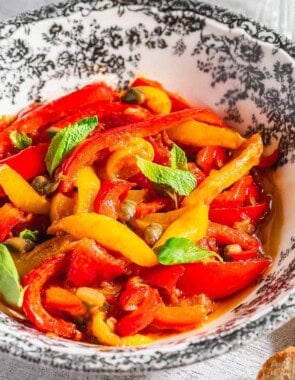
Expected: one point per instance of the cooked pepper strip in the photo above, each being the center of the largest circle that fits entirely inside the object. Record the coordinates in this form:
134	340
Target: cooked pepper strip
85	153
21	193
192	224
110	234
268	161
140	318
110	196
164	277
32	302
227	235
179	317
220	279
57	109
88	185
156	99
61	206
62	300
29	163
10	216
228	216
231	172
196	133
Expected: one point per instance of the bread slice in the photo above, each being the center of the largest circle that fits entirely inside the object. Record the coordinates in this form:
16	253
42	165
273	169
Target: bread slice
280	366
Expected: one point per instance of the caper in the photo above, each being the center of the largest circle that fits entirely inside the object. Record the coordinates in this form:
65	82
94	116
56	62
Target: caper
133	96
127	211
231	248
43	185
52	131
19	245
153	233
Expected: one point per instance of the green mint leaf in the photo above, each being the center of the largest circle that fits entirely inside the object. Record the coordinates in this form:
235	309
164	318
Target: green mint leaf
20	140
178	158
10	287
66	140
182	250
28	234
182	182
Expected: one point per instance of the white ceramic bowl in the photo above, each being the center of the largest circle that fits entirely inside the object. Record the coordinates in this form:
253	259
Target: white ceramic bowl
242	70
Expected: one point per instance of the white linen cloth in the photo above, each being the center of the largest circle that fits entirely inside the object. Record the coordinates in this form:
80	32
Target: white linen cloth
242	364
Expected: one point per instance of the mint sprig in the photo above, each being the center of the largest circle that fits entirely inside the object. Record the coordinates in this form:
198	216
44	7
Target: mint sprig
182	182
10	287
178	158
182	250
66	140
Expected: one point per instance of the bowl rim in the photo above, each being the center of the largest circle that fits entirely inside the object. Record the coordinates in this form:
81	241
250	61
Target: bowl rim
274	315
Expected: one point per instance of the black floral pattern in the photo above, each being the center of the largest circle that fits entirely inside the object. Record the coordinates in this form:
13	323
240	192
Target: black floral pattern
78	44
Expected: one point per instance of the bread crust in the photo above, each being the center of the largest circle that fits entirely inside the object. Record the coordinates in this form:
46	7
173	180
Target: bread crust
280	366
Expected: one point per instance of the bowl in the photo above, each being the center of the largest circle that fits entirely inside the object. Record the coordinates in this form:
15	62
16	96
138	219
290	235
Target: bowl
242	70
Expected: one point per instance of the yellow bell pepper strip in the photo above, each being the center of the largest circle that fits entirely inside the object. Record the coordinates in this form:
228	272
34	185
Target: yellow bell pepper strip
88	185
192	224
156	99
195	133
104	334
20	193
122	162
61	206
231	172
110	234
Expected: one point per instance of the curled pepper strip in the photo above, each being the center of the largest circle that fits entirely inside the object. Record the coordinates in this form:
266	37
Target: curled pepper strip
9	217
110	234
86	152
32	302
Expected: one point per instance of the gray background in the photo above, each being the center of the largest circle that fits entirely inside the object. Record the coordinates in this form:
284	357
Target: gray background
242	364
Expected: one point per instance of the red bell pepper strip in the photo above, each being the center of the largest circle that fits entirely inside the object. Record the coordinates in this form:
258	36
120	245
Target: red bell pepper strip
235	196
211	157
29	163
268	161
110	196
227	235
143	209
28	109
32	302
228	216
179	317
133	294
220	279
140	318
91	264
55	110
10	216
99	109
178	103
164	277
86	152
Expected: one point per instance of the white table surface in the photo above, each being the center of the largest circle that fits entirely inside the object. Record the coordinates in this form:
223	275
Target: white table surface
242	364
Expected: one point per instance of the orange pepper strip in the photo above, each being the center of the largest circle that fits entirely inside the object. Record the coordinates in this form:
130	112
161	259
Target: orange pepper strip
60	299
179	317
110	234
196	133
61	206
